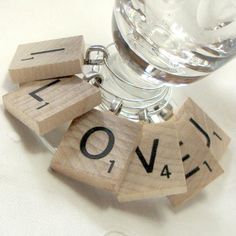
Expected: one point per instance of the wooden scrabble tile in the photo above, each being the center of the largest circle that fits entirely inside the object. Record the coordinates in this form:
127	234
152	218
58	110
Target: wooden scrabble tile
200	166
213	136
97	149
45	105
48	59
156	169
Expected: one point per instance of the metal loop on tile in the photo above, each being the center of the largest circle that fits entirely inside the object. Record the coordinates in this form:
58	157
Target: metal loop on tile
143	115
99	49
95	79
134	108
167	112
116	106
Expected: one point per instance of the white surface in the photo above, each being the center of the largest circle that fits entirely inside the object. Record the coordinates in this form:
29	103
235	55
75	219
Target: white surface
33	201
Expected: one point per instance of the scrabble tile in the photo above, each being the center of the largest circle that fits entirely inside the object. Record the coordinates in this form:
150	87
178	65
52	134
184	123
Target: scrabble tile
212	135
48	59
200	166
156	169
47	104
97	149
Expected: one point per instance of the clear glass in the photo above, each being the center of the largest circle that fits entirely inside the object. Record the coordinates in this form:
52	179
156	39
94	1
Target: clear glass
177	41
123	84
161	43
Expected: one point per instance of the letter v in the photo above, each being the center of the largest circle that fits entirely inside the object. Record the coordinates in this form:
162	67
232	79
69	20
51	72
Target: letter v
148	167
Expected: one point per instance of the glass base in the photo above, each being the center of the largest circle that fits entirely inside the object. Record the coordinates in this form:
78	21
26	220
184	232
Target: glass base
131	94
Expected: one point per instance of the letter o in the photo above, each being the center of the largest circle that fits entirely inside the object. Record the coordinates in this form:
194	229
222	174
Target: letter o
107	149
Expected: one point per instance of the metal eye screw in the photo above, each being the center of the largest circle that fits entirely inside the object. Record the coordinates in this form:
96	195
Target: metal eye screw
116	106
95	48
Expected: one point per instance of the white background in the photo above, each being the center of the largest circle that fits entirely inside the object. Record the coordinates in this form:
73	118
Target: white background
34	201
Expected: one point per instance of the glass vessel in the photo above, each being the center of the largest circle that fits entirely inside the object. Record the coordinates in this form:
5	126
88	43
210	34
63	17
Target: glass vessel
159	44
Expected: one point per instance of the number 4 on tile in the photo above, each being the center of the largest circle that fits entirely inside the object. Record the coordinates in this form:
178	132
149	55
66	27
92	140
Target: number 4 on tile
149	166
160	175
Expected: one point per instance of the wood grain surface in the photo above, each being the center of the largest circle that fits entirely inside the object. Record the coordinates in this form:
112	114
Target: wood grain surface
48	59
200	166
45	105
156	169
211	134
97	167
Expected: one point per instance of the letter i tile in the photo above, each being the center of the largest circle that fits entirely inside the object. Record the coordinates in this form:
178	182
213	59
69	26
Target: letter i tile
97	149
